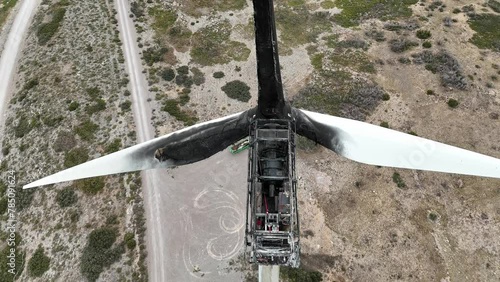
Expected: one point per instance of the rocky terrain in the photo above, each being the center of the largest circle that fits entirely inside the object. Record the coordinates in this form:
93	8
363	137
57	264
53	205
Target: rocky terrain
428	68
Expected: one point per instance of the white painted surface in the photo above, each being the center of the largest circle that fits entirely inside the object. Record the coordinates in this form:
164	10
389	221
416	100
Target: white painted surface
375	145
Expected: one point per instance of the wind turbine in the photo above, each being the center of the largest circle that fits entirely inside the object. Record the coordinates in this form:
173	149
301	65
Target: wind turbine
272	235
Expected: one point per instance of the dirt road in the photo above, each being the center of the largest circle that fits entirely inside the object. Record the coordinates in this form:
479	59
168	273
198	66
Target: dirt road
11	51
195	214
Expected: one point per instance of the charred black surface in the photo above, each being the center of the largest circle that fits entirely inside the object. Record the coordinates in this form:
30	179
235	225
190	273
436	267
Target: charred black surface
271	102
316	132
201	142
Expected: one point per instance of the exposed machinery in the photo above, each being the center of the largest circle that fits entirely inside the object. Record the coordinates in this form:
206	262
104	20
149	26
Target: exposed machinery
272	229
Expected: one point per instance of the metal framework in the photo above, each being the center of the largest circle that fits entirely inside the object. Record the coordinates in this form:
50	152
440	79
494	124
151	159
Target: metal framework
272	224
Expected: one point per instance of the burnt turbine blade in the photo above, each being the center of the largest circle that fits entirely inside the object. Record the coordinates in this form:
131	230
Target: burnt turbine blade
375	145
182	147
271	102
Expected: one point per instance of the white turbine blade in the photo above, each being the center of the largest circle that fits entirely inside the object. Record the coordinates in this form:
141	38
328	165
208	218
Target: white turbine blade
375	145
185	146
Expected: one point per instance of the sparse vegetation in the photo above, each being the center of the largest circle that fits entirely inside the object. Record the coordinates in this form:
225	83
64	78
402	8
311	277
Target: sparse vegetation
401	45
47	30
300	274
238	90
354	12
487	28
212	45
64	142
171	106
76	156
195	7
154	54
86	130
5	10
114	146
293	34
445	65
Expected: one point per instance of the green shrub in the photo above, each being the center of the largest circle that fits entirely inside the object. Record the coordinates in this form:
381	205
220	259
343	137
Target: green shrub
494	5
487	28
353	12
76	156
212	45
396	177
129	240
47	30
98	106
183	70
386	97
93	92
453	103
98	254
3	204
167	74
24	126
401	45
73	106
404	60
5	152
3	188
427	44
218	74
114	146
125	106
91	186
430	92
154	54
86	130
423	34
198	76
238	90
300	275
38	263
66	197
384	124
171	106
30	84
433	216
184	80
